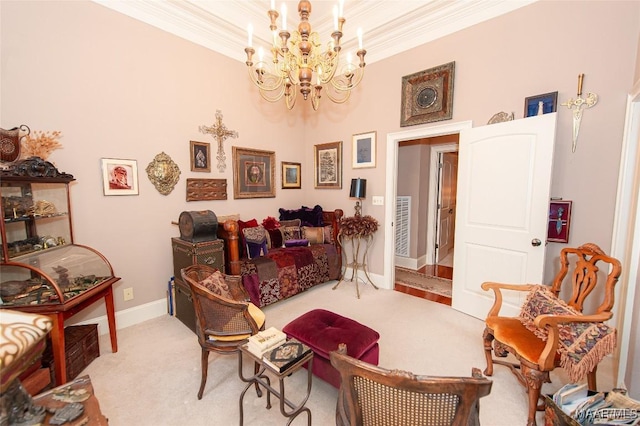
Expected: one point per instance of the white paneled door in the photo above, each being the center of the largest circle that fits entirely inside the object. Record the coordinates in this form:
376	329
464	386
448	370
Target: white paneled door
504	177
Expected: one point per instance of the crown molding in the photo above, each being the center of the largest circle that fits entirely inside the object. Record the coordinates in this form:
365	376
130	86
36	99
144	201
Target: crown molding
389	27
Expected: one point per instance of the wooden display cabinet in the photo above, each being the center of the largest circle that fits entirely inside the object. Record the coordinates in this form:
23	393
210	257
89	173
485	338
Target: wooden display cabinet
42	270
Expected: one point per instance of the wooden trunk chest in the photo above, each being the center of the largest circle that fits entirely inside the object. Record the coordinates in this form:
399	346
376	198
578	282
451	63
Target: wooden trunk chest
81	347
186	253
184	304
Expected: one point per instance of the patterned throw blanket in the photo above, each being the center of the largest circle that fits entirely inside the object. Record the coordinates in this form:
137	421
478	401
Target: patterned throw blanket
582	345
284	272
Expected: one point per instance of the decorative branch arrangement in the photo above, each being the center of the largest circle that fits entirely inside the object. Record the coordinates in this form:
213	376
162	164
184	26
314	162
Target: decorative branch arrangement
41	144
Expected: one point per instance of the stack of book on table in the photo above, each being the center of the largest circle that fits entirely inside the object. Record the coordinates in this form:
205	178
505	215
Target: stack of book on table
590	408
265	340
285	355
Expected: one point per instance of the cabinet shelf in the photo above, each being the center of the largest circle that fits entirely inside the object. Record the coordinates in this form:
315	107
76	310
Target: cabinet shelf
34	217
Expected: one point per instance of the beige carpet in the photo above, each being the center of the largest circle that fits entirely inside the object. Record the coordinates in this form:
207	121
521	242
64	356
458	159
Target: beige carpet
432	284
154	377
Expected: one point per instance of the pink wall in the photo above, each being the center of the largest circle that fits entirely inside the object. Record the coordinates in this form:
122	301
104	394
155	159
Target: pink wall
119	88
530	51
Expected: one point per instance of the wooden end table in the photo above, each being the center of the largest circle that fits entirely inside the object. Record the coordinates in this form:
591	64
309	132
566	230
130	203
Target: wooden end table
262	379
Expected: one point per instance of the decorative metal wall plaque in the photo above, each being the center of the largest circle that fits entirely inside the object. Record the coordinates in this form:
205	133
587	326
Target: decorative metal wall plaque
427	95
163	173
220	132
206	189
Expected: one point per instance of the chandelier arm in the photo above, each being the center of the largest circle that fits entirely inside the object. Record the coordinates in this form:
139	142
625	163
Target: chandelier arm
338	97
354	80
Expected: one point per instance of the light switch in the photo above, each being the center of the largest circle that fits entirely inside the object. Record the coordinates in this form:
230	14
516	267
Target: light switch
377	201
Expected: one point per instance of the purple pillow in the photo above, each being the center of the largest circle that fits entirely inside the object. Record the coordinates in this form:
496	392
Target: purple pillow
296	243
308	216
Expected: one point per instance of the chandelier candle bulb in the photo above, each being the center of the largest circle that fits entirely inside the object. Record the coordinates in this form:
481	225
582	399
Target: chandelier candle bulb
341	8
359	38
250	34
273	5
284	16
335	18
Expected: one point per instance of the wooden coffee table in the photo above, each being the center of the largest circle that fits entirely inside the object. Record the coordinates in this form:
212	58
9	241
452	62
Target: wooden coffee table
263	380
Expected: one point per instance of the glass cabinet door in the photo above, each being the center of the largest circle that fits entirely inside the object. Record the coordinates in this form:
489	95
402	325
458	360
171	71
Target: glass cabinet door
36	216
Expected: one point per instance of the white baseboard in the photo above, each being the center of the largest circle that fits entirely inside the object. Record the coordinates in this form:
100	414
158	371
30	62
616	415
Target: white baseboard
131	316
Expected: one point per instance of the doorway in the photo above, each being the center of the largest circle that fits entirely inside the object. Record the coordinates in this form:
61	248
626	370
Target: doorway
426	186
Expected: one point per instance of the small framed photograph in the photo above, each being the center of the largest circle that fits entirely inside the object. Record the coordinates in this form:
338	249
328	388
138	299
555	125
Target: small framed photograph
364	150
200	156
291	175
546	103
253	173
559	221
119	177
327	161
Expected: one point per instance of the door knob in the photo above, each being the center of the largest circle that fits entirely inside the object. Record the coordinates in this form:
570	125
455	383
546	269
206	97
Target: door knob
450	210
536	242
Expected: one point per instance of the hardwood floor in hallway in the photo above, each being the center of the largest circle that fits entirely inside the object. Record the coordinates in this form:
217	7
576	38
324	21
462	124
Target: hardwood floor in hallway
433	270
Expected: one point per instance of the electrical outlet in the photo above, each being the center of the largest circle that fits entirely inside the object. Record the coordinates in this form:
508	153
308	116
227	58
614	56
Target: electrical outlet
377	201
128	293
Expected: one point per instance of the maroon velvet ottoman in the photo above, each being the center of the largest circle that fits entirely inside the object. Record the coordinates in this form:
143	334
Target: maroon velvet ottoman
323	331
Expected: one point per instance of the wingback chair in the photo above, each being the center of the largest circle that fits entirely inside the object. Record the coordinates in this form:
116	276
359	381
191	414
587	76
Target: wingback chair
225	318
371	395
545	334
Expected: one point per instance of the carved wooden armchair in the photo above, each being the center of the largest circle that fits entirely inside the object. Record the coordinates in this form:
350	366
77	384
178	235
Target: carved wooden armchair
225	318
545	334
370	395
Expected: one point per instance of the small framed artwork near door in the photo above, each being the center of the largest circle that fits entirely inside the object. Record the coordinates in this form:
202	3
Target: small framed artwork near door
364	150
559	221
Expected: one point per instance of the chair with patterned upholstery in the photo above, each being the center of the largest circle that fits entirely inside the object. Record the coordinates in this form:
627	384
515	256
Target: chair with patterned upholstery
370	395
225	318
554	332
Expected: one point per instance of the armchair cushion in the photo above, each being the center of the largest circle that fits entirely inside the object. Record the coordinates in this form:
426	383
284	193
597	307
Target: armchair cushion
216	284
257	315
582	345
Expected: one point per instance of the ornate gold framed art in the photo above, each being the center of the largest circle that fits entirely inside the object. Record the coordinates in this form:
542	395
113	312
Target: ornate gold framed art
163	173
327	165
291	175
427	95
254	173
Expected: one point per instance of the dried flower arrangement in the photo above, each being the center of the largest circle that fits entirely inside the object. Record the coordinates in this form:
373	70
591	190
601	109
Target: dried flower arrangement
40	144
358	226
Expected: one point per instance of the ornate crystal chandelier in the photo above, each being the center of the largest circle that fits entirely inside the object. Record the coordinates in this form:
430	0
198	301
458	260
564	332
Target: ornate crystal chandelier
297	59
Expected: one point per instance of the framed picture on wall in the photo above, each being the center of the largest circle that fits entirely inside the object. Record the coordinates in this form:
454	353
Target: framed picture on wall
364	150
200	157
327	161
559	221
253	173
291	175
119	177
546	102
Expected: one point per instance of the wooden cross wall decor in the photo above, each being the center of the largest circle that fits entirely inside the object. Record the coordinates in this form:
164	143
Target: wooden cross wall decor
220	133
